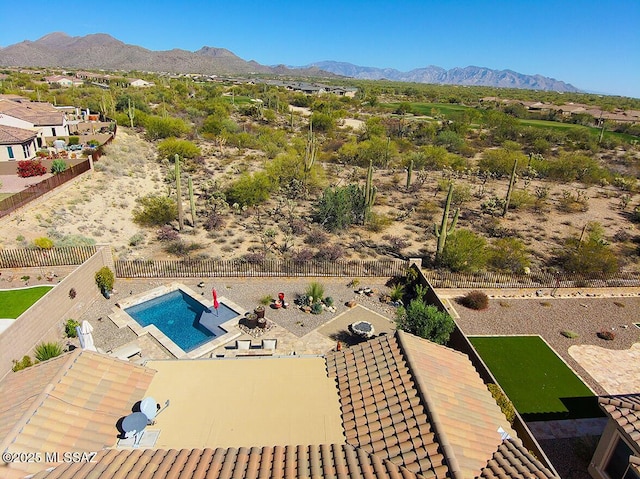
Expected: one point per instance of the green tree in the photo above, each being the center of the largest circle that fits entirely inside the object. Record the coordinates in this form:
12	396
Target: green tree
155	210
250	190
508	255
183	148
591	256
426	321
500	161
464	251
340	207
158	127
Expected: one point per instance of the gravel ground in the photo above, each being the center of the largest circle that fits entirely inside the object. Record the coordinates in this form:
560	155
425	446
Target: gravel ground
549	316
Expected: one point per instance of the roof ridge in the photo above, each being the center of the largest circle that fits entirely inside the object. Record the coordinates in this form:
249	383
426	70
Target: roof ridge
619	401
449	454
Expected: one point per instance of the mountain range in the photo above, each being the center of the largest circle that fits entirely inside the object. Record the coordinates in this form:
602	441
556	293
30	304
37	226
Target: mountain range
102	51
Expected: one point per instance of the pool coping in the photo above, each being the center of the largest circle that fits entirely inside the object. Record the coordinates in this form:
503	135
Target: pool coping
122	320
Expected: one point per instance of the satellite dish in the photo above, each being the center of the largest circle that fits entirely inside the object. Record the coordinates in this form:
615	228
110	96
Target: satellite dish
148	408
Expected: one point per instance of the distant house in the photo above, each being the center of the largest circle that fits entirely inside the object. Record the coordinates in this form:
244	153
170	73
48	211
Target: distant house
618	453
59	80
17	144
43	118
139	83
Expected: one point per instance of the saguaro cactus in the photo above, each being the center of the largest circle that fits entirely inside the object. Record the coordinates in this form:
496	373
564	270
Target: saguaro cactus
179	194
369	192
192	203
443	232
131	112
310	153
409	173
512	180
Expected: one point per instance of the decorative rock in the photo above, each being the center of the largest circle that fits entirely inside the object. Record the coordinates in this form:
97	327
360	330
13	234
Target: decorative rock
351	304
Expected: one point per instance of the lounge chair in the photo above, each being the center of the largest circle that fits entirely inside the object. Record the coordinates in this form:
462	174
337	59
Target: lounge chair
127	351
269	344
243	344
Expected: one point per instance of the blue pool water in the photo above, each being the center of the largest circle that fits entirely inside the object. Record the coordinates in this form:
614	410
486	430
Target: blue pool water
176	314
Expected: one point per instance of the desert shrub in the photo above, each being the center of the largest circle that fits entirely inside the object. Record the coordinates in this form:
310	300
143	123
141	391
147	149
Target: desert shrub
155	210
181	248
396	243
29	168
328	301
315	291
499	162
70	328
340	207
475	300
43	243
214	221
287	172
137	239
464	251
302	256
105	278
249	190
44	351
378	222
316	237
569	334
58	166
24	363
254	257
506	406
329	253
158	127
396	292
520	200
426	321
508	255
573	202
576	167
167	233
183	148
73	140
606	335
591	257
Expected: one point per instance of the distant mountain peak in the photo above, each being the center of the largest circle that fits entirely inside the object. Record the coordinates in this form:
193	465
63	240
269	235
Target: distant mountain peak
470	76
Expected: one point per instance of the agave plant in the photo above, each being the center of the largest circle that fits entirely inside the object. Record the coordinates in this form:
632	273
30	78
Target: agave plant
46	351
315	291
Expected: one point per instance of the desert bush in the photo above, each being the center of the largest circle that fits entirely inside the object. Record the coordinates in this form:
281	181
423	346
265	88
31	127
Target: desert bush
508	255
499	162
183	148
302	256
573	202
316	237
520	200
43	243
58	166
158	127
214	221
464	251
24	363
167	233
426	321
181	248
396	292
378	222
70	328
44	351
137	239
328	301
340	207
254	257
591	257
155	210
606	335
249	190
396	243
29	168
105	278
506	406
475	300
329	253
569	334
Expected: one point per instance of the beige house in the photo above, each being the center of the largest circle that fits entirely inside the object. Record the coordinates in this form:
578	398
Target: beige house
395	406
618	453
43	118
17	144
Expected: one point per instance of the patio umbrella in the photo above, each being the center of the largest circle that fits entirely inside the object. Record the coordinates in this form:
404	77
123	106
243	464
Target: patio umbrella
216	304
84	335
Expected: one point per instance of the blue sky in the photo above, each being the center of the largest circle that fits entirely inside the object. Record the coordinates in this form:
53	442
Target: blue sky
594	45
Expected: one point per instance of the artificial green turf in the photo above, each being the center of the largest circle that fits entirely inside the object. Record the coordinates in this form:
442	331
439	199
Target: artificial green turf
14	302
540	385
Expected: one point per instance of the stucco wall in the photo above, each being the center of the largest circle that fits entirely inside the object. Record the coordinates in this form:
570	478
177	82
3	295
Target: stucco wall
44	321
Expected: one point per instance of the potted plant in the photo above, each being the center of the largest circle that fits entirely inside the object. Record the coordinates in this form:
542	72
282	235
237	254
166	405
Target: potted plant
262	323
259	311
104	279
251	320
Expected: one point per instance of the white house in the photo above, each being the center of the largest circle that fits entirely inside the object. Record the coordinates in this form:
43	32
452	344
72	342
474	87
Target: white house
17	144
42	118
140	83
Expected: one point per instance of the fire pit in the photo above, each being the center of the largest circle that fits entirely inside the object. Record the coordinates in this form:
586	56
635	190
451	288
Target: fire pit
363	329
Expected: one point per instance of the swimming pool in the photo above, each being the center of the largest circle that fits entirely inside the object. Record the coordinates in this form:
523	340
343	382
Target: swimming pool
178	315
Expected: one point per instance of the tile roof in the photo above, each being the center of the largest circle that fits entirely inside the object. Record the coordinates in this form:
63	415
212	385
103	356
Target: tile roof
625	411
280	462
10	135
80	397
513	460
465	415
381	409
39	114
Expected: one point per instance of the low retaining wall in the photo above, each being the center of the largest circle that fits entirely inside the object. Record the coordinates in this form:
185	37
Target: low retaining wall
44	321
